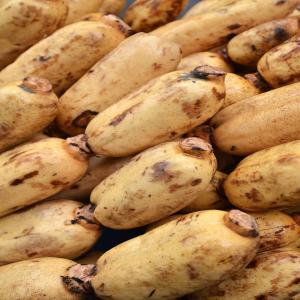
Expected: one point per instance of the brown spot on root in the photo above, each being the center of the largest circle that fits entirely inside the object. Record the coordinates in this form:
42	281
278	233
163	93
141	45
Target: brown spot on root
280	34
280	2
296	218
261	297
79	145
78	279
5	129
36	85
22	179
219	96
288	158
84	118
193	110
196	182
174	187
123	115
160	172
151	293
195	146
234	26
203	72
84	216
296	281
58	183
241	223
253	195
192	272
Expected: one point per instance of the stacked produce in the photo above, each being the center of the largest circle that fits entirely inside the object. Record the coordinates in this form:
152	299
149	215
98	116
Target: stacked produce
187	129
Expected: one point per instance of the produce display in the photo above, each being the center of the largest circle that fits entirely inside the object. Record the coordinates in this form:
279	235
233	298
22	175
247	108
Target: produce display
150	149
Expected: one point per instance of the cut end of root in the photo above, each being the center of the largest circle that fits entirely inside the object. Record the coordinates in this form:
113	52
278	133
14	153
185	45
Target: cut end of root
207	72
36	85
79	142
78	279
84	216
117	23
195	146
241	223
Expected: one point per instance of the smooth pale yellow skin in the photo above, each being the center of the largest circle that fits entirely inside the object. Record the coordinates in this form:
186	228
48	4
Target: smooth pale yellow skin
295	12
249	46
62	57
90	258
211	198
99	169
276	230
45	230
238	89
280	66
34	171
79	8
163	221
24	23
39	278
142	56
212	29
161	110
153	185
146	15
272	275
184	255
259	122
207	6
23	113
266	179
212	59
112	6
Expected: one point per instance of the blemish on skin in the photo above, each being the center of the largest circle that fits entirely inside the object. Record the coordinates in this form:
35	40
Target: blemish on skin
160	172
151	293
84	118
253	195
233	148
123	115
234	26
22	179
192	272
280	2
58	182
175	187
218	95
192	109
280	34
196	182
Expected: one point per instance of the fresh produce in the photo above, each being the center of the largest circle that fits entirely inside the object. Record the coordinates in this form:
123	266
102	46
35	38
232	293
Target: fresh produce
32	172
40	278
144	56
259	122
161	110
273	275
79	8
154	184
61	228
56	57
267	179
248	47
146	15
215	28
280	66
190	250
24	22
26	108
